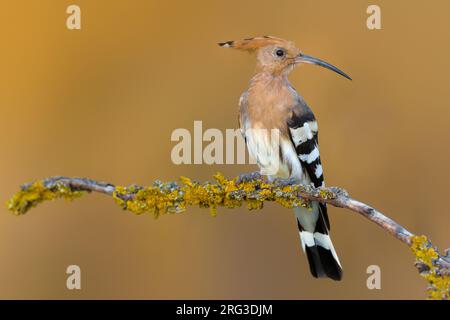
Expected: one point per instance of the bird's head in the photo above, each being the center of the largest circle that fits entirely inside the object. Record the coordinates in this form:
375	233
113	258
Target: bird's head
276	55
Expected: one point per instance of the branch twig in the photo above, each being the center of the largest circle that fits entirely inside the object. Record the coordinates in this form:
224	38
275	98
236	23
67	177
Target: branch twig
251	189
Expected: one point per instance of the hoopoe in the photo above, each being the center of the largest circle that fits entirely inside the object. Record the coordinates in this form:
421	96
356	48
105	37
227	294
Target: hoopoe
271	103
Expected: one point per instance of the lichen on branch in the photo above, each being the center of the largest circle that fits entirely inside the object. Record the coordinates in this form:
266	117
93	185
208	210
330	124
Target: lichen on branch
432	267
173	197
37	192
252	190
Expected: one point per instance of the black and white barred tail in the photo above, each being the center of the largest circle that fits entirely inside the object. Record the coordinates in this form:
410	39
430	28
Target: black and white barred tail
316	242
313	224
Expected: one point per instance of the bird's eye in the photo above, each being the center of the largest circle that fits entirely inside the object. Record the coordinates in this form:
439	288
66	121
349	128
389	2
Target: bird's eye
279	52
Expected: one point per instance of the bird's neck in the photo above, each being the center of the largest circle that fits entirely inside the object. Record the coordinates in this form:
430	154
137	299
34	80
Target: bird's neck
269	82
269	92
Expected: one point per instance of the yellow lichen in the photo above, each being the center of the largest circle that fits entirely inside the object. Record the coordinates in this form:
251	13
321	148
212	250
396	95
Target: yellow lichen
439	284
169	197
326	194
229	193
173	198
37	192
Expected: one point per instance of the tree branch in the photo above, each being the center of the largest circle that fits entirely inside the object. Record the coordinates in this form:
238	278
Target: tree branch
251	189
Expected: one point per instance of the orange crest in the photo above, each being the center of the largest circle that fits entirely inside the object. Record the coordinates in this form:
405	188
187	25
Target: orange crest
252	44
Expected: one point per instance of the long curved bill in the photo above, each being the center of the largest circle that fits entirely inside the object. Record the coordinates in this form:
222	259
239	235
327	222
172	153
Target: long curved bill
311	60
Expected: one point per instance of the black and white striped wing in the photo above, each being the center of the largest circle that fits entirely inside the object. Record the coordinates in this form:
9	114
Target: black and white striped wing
313	225
304	136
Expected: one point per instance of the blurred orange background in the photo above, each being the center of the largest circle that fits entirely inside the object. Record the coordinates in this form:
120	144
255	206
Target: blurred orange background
102	102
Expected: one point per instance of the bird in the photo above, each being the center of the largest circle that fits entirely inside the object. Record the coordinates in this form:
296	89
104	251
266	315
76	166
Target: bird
281	134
